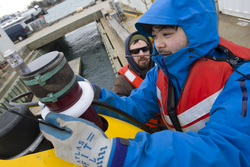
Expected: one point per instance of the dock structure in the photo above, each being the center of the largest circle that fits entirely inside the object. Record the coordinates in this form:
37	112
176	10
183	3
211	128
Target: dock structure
113	36
61	28
113	32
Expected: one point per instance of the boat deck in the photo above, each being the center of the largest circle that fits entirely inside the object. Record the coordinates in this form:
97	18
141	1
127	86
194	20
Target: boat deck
235	29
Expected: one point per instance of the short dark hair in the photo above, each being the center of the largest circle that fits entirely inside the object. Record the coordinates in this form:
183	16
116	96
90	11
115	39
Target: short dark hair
148	27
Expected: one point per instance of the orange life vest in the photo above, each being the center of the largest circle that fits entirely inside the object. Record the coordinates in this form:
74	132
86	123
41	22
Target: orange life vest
204	83
131	76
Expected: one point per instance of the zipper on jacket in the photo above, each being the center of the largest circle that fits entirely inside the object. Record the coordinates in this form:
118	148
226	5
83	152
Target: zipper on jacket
165	69
184	84
244	104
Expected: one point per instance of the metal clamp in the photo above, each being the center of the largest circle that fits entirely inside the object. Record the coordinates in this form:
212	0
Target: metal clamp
54	97
40	79
46	76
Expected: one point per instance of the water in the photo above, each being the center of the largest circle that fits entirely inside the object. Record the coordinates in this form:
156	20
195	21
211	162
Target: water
86	43
64	8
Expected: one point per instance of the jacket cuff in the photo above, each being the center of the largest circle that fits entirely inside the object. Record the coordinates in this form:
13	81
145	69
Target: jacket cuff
120	152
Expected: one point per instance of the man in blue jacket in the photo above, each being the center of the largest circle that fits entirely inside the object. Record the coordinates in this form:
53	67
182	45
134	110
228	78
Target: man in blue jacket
200	85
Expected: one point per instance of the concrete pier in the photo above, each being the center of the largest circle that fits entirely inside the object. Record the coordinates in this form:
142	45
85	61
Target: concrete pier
229	28
61	28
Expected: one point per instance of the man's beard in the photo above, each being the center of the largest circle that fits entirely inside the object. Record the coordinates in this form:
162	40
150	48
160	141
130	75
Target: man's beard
144	65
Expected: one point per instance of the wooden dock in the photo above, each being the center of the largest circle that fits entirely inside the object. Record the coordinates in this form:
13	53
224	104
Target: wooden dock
61	28
115	32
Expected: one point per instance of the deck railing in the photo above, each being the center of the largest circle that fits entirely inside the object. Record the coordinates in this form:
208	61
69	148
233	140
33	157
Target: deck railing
16	87
12	84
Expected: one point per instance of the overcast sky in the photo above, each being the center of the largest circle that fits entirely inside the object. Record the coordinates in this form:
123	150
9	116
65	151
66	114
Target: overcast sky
12	6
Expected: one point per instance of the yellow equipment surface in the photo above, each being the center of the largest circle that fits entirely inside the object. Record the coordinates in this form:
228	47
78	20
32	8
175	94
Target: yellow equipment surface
116	128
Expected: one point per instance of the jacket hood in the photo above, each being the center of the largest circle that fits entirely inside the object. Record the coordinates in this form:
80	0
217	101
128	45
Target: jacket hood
198	19
132	65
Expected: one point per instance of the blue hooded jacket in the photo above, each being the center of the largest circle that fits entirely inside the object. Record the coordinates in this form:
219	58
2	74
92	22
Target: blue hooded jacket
224	141
198	19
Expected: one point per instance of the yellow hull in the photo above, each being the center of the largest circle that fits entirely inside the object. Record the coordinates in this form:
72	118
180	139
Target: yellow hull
116	128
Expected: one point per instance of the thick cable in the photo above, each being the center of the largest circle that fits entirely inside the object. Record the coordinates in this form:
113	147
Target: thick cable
29	104
95	102
122	113
32	119
141	55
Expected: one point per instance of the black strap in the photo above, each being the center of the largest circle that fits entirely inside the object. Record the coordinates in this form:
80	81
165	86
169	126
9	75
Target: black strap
171	109
97	92
227	51
231	58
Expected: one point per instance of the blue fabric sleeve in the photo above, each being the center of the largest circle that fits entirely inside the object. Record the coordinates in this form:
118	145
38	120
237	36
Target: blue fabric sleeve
224	141
141	104
118	153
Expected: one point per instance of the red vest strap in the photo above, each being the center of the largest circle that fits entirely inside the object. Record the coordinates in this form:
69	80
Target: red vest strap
131	76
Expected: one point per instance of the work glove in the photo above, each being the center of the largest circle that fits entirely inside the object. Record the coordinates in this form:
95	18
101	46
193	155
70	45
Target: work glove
83	143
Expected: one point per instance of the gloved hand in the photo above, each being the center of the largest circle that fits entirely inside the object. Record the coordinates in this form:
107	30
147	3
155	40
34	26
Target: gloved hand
96	89
85	144
79	78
